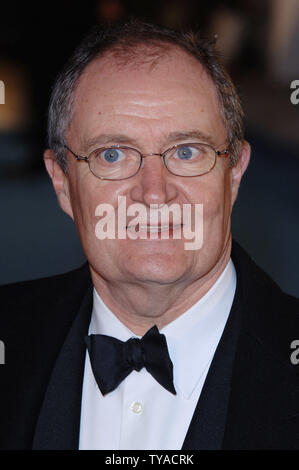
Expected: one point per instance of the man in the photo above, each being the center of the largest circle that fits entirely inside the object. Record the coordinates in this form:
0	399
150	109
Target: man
148	117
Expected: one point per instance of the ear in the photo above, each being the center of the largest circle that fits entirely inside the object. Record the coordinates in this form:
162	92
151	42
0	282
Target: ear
60	182
239	169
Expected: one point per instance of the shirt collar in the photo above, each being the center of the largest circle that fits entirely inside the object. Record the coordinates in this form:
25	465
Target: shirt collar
192	338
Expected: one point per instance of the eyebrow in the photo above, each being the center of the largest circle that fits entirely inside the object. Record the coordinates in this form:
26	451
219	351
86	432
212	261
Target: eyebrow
193	134
104	139
171	138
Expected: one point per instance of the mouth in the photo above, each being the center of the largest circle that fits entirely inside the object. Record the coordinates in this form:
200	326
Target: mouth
154	229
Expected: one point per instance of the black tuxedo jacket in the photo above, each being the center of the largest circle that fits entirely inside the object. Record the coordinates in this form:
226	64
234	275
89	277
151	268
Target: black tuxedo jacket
250	399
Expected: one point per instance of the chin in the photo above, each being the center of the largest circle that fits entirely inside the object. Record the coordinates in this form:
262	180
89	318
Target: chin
159	268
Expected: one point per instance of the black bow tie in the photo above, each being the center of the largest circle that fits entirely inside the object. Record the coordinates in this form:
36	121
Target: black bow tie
113	360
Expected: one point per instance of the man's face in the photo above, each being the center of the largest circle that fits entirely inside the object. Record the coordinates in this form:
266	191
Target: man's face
149	106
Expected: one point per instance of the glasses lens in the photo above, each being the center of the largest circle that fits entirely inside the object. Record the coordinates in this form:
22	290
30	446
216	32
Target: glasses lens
190	159
114	162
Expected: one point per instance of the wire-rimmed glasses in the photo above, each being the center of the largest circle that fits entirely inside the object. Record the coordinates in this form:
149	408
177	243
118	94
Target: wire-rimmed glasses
118	162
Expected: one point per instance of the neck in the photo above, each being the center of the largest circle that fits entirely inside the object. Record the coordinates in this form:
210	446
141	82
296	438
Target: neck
141	306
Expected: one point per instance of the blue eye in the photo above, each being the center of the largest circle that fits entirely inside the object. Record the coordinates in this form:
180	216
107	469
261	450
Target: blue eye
112	155
185	153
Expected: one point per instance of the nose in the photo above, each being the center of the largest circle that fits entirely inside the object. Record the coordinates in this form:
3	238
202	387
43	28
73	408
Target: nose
152	183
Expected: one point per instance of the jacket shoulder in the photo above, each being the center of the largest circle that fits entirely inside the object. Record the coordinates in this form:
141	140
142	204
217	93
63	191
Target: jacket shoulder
41	306
272	315
35	318
27	297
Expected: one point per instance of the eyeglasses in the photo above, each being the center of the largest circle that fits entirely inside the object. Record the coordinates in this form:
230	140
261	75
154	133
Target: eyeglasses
121	162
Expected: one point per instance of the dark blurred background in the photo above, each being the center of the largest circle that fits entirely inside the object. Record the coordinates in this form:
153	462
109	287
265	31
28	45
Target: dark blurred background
260	44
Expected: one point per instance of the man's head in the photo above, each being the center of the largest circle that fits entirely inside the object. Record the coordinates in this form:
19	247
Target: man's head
132	42
150	89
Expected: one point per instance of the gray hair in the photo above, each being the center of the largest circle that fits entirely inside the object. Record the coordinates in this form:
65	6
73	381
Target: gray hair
124	40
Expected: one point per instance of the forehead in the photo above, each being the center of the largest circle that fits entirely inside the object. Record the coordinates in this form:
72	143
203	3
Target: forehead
166	93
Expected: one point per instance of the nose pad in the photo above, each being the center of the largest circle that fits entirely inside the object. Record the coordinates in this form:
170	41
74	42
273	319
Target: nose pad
151	155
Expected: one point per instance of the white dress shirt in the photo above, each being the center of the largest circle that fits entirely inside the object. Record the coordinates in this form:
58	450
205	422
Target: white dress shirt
140	413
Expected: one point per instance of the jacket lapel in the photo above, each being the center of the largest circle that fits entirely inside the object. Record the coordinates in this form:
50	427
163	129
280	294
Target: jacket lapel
207	427
59	419
263	411
250	399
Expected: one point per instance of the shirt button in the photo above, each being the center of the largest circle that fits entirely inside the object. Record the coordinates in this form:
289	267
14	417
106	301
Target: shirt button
137	407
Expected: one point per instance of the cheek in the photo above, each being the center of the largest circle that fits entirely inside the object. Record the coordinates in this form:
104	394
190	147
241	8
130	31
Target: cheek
218	210
83	210
88	198
211	194
85	197
214	194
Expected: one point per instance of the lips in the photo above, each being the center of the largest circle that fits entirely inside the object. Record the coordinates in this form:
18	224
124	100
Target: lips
153	228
